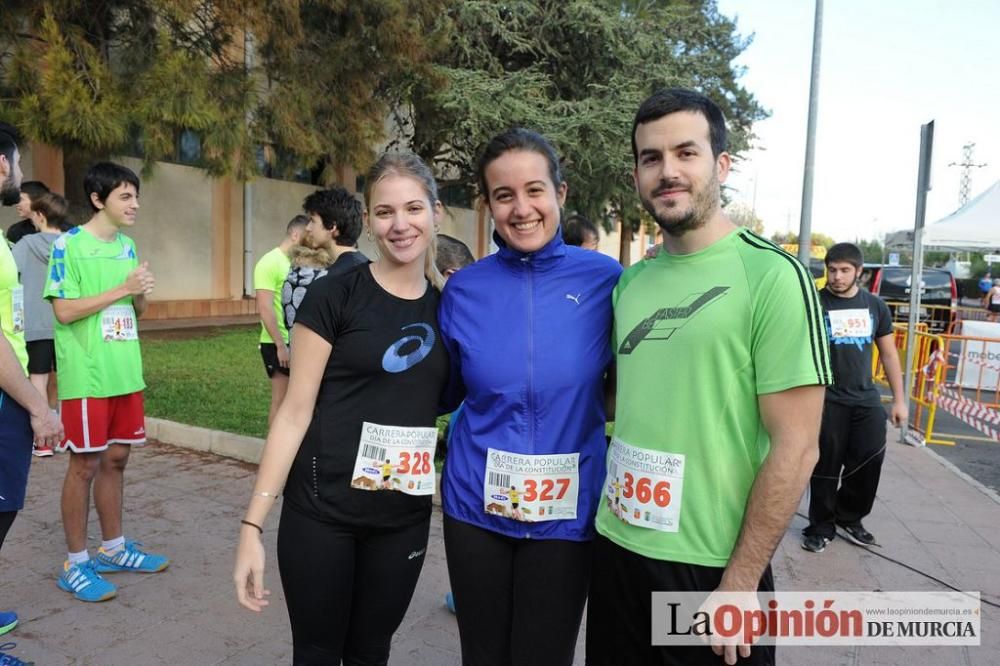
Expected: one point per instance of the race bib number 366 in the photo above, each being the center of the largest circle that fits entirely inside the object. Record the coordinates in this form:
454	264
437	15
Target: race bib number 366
395	458
531	488
644	487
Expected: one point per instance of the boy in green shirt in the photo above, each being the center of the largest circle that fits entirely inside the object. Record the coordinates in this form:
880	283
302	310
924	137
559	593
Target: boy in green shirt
268	277
98	290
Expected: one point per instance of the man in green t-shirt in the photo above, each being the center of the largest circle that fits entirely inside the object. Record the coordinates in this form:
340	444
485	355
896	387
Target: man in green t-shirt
268	276
721	364
98	289
24	412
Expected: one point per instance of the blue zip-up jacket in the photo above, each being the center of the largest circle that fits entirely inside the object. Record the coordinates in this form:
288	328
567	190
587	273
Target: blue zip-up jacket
529	340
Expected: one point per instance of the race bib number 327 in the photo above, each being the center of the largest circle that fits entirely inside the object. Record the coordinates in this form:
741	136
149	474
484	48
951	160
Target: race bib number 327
395	458
531	488
644	487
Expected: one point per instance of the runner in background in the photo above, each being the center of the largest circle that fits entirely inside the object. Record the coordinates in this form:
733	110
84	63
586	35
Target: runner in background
579	231
48	214
98	290
268	277
527	332
852	437
30	190
329	246
367	376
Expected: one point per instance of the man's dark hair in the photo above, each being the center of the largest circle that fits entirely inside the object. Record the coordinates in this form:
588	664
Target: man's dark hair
9	139
452	254
517	138
845	253
336	207
104	177
34	189
297	222
576	229
672	100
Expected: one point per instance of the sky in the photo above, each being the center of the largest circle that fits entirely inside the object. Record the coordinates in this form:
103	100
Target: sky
887	67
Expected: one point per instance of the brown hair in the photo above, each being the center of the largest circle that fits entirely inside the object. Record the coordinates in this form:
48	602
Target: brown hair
410	166
54	207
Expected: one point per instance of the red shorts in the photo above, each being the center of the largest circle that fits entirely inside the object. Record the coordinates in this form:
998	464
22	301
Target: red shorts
93	423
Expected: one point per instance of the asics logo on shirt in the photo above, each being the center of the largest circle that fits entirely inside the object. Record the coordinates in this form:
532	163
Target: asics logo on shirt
666	321
416	553
417	346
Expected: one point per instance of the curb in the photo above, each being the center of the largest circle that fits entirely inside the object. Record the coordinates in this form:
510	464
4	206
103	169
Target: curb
947	464
225	444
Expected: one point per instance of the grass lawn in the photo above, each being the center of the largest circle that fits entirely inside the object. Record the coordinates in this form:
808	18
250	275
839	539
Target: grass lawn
211	378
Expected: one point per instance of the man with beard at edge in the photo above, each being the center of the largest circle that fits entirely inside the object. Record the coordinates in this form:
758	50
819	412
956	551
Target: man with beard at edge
722	361
852	436
23	410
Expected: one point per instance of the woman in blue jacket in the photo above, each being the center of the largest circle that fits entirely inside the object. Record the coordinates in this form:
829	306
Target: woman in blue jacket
527	330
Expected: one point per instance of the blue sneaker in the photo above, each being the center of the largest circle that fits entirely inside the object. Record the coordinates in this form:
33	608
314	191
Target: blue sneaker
449	601
8	621
11	660
130	558
84	583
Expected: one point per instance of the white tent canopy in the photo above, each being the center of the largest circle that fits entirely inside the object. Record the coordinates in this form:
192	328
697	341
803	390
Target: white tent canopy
975	227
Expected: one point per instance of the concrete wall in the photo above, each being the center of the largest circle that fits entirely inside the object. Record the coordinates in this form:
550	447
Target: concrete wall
173	230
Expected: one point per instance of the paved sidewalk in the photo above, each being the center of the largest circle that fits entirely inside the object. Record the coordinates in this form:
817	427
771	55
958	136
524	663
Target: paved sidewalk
188	505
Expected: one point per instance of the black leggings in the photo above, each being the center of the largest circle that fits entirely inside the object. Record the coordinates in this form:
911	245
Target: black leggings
518	601
6	520
347	588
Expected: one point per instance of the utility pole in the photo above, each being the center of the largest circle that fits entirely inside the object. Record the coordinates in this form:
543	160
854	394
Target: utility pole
967	165
805	219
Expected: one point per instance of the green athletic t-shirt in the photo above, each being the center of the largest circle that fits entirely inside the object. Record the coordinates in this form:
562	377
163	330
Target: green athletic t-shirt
270	273
12	306
98	355
697	338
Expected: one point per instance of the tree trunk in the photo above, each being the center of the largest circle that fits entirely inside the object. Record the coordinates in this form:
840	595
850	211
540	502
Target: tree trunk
625	244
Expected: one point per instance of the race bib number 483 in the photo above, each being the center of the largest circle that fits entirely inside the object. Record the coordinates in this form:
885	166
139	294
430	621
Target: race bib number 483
118	323
531	488
644	487
395	458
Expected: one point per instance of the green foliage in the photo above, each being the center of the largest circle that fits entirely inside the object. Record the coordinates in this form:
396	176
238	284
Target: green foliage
104	77
98	78
575	70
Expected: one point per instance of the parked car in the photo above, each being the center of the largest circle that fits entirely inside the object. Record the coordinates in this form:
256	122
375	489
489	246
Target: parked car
892	284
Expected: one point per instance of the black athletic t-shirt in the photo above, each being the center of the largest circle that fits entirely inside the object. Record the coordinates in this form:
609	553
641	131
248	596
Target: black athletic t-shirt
852	325
387	367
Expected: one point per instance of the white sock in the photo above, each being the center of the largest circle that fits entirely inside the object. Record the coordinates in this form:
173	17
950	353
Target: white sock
78	558
114	545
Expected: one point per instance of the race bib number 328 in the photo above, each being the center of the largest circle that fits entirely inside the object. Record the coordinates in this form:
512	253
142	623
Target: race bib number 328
644	487
395	458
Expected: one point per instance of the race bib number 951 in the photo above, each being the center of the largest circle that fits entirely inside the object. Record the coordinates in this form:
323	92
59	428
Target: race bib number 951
644	487
395	458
